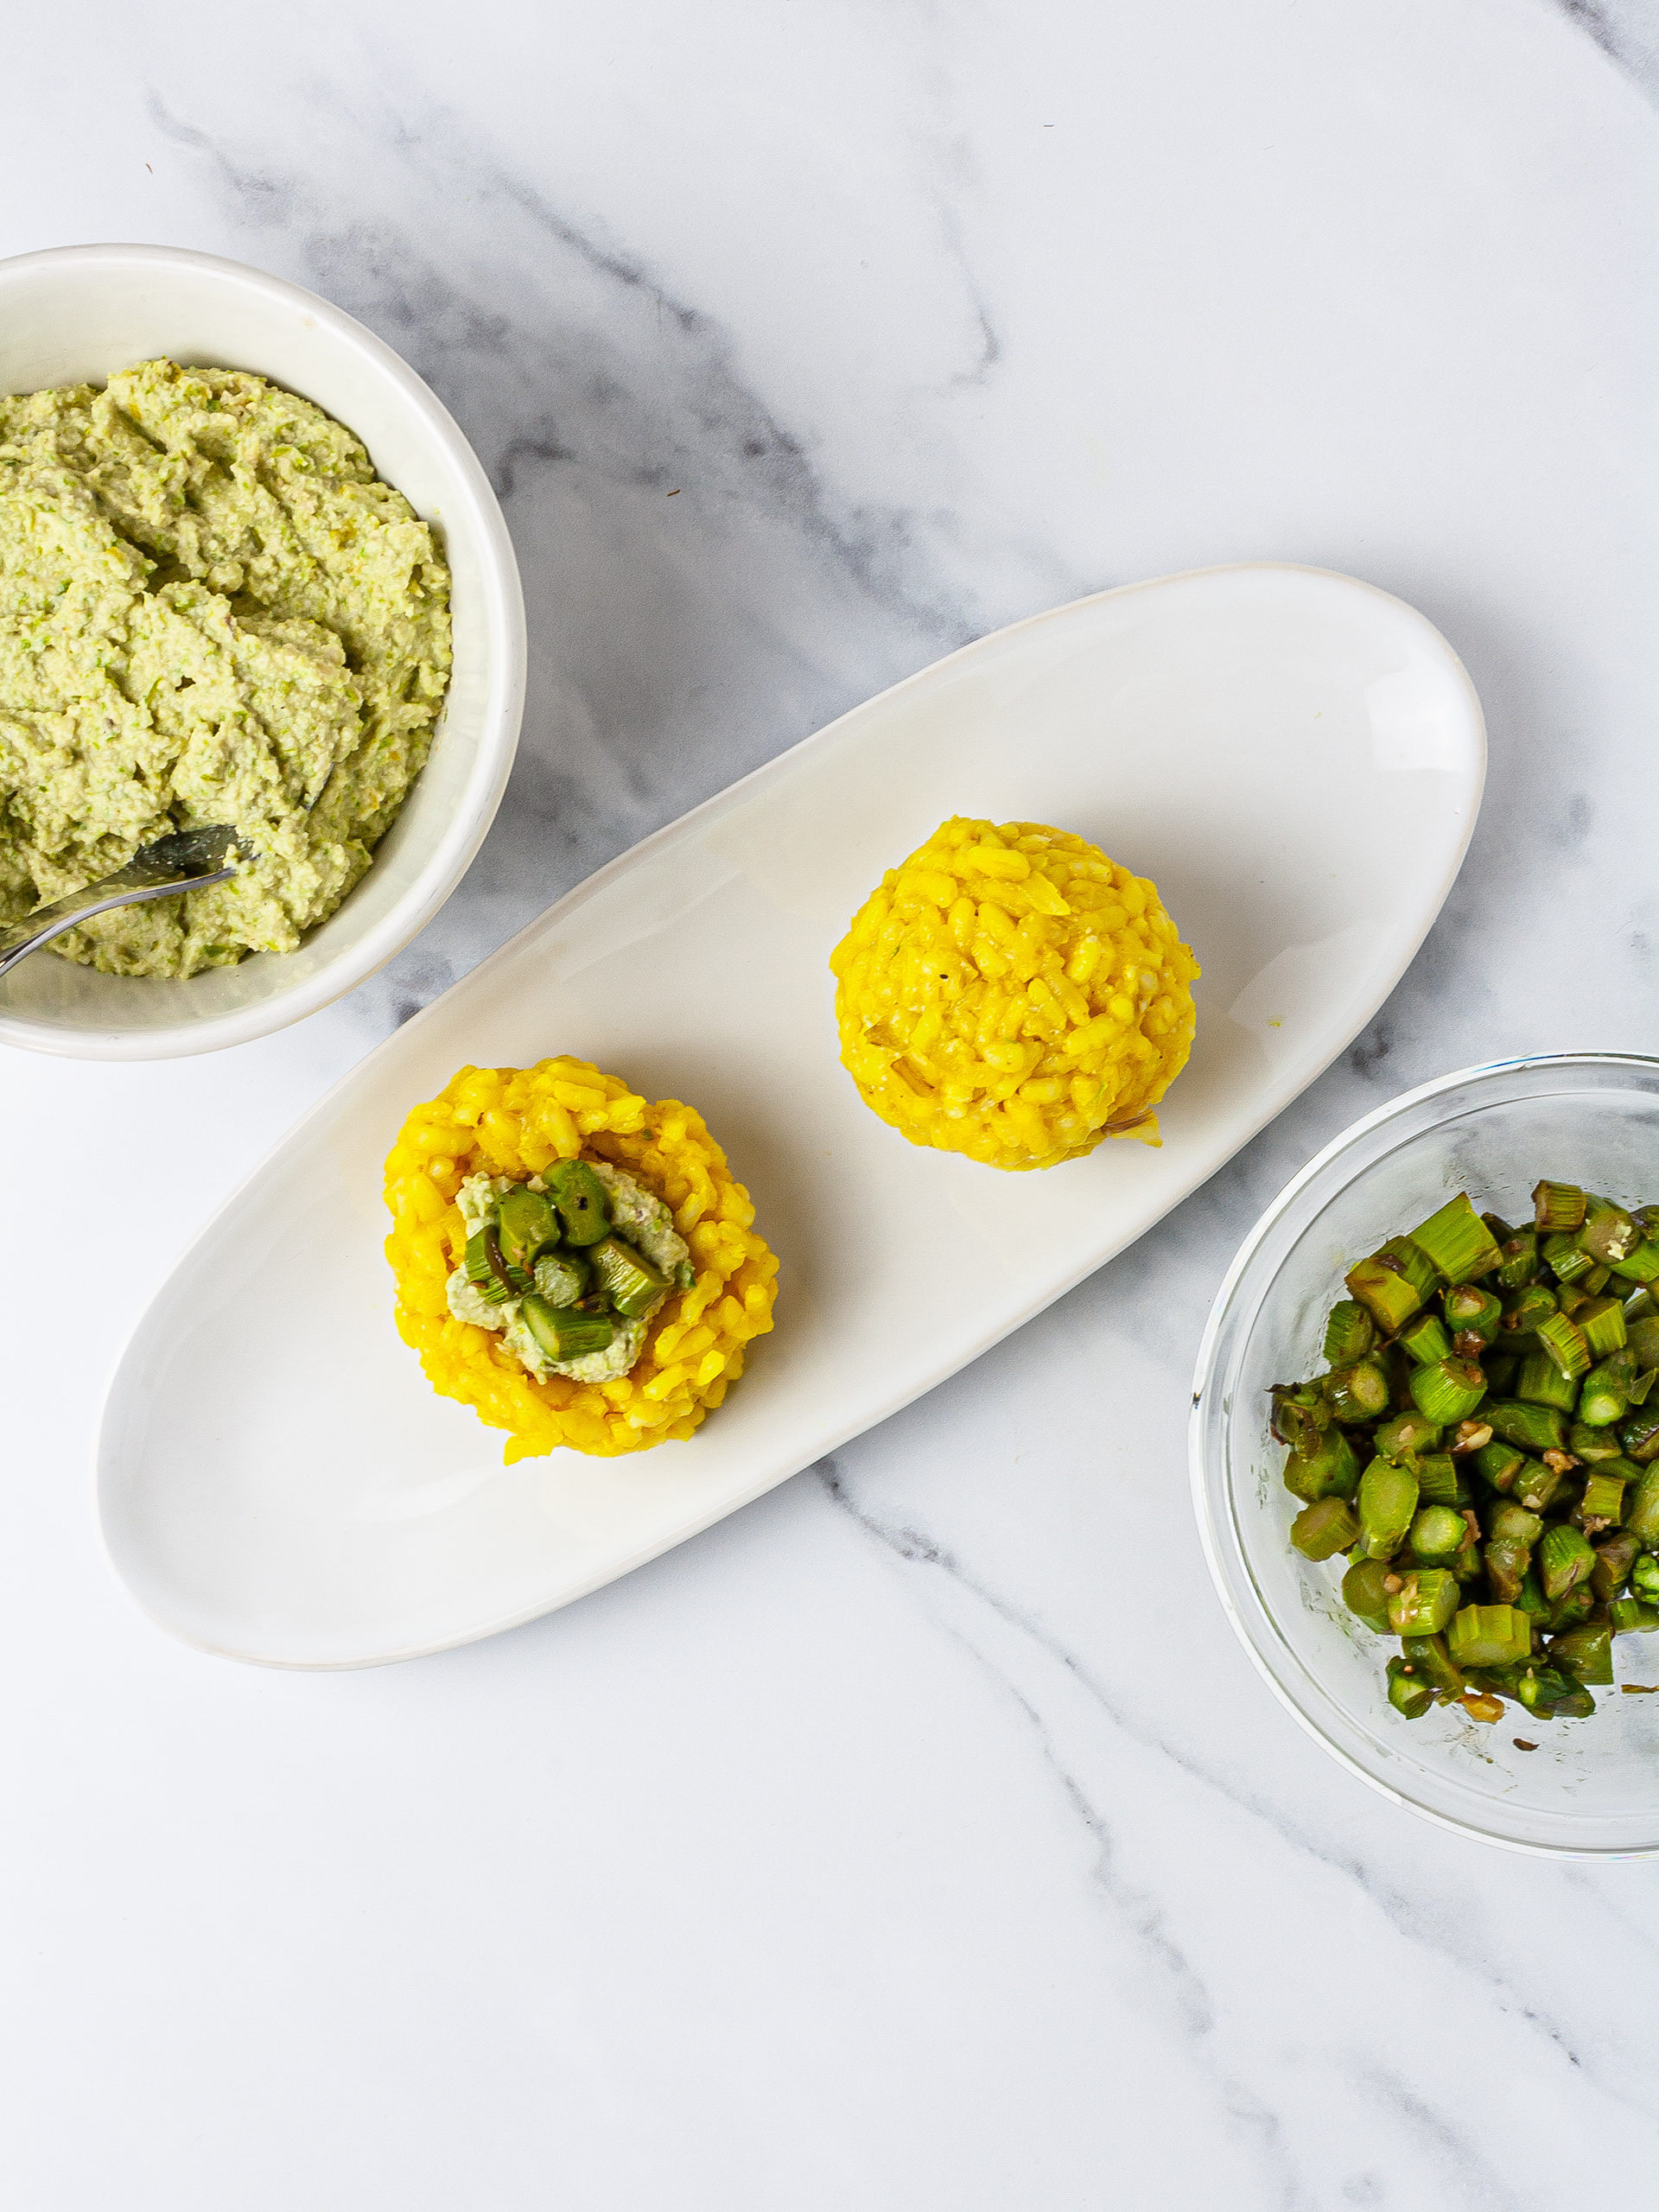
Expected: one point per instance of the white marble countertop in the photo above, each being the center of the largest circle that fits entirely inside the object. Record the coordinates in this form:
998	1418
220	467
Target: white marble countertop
877	1848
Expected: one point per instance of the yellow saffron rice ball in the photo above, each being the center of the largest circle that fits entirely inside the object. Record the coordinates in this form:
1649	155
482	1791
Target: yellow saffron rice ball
1010	993
517	1121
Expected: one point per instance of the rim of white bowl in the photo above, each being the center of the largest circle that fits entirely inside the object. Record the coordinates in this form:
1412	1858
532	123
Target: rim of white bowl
1203	1376
505	646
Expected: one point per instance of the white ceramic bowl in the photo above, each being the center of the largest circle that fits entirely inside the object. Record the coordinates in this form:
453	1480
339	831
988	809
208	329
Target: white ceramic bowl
79	313
1591	1788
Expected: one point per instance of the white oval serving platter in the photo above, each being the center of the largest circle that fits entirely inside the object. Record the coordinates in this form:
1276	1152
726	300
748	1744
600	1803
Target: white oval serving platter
1295	757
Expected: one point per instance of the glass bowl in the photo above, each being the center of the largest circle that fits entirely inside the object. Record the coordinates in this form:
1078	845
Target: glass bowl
1591	1789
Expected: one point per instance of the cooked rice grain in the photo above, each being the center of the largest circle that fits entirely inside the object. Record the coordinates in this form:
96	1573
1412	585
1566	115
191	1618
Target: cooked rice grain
1010	993
518	1121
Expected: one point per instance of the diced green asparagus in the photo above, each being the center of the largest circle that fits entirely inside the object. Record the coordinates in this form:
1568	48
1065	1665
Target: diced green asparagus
582	1200
1473	1316
1364	1595
1424	1603
1600	1322
1563	1341
1564	1560
1457	1240
1393	1283
1615	1556
1603	1499
1425	1338
1639	1434
1519	1263
1301	1413
1407	1437
1332	1470
1437	1480
1497	1464
1584	1653
1326	1527
1387	1503
1489	1635
1431	1662
1448	1390
1438	1534
1358	1395
1531	1427
1350	1333
1407	1694
1605	1397
1592	1444
1642	1508
1557	1206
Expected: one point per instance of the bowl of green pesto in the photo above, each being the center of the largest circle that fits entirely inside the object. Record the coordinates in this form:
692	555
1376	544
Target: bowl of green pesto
250	572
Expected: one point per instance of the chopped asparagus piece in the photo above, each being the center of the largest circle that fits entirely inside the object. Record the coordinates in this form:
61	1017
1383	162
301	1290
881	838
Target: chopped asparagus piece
1448	1390
1563	1341
1639	1434
1641	1265
1388	1502
1424	1603
1428	1657
1393	1283
1605	1396
1301	1413
1425	1339
564	1333
1332	1470
1407	1437
1600	1322
1584	1653
1542	1383
1533	1428
1358	1394
1437	1480
1520	1259
1629	1614
1615	1557
1557	1205
1644	1580
1364	1594
1457	1240
1592	1444
1604	1498
1326	1527
1407	1694
1641	1509
1564	1560
1472	1312
582	1200
1498	1464
481	1274
627	1278
1489	1635
1349	1334
528	1227
1438	1534
1609	1233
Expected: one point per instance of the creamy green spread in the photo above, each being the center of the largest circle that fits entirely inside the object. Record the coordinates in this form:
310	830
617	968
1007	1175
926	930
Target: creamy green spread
646	1222
211	610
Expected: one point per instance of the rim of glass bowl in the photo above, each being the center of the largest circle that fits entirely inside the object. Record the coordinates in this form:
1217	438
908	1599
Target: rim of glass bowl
1226	1333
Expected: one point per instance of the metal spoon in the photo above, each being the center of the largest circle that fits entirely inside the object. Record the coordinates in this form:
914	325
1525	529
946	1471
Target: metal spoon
188	860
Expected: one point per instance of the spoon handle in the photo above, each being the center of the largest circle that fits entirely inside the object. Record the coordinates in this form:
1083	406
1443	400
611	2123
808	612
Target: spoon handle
143	878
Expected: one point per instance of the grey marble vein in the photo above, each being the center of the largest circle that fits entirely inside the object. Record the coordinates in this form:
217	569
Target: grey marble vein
1432	1930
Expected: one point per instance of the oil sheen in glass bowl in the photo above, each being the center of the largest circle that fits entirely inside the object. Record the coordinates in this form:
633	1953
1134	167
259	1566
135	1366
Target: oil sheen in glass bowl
1591	1789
